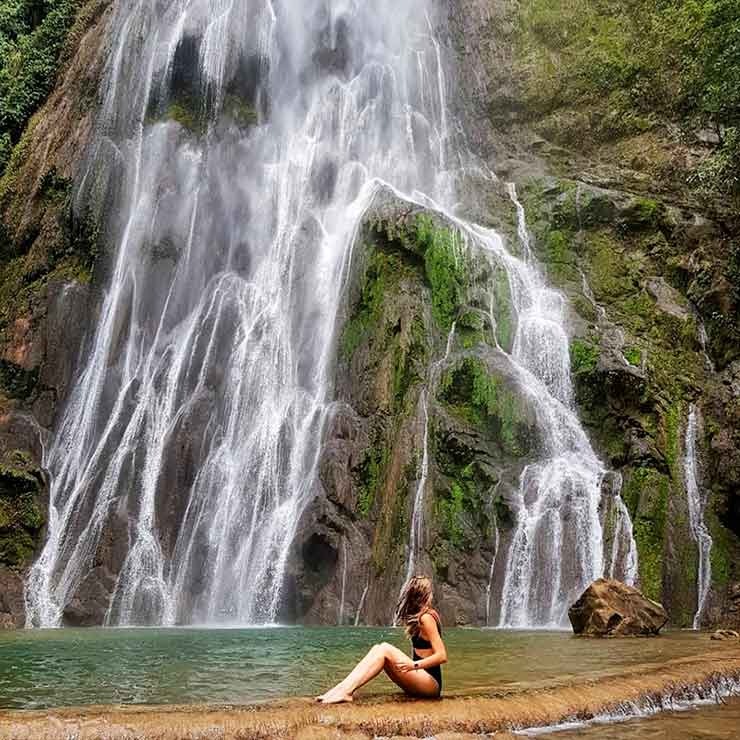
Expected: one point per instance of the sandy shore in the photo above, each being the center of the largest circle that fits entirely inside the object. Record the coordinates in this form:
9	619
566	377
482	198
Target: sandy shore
456	717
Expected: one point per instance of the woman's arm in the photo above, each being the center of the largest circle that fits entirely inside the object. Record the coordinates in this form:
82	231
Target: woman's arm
430	632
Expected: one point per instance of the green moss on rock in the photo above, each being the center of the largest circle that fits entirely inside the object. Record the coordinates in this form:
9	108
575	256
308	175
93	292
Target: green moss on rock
21	518
483	400
384	271
240	111
444	269
584	356
188	114
369	478
633	355
503	309
646	494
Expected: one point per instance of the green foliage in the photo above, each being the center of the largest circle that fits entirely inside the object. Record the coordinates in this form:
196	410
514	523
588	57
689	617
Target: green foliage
598	70
449	514
383	267
633	355
16	381
32	37
583	356
719	174
444	269
720	556
643	213
503	309
459	509
559	257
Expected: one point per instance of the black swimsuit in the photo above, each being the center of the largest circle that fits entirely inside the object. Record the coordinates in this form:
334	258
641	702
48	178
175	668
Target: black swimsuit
418	642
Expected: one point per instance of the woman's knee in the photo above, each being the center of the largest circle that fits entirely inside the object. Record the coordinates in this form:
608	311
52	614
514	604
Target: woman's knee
382	648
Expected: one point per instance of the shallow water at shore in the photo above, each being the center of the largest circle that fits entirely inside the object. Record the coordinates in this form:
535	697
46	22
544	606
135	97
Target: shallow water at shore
717	721
53	668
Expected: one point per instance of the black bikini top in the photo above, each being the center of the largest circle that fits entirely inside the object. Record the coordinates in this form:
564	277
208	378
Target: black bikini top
417	641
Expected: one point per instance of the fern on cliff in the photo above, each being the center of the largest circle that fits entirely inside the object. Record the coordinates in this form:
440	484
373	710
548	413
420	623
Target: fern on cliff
32	36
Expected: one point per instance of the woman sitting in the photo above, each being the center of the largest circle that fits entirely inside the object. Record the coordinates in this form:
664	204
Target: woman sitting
420	675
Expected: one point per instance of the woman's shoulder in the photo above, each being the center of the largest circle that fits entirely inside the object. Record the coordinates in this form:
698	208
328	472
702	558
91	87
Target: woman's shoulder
434	614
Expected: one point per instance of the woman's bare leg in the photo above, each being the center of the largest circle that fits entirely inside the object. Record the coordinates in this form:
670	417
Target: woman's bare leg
382	657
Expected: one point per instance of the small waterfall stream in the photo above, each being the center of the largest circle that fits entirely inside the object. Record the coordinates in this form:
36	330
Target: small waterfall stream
489	586
417	514
697	504
622	565
340	619
361	605
557	545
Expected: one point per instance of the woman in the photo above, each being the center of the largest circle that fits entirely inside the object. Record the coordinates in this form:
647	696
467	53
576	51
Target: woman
420	676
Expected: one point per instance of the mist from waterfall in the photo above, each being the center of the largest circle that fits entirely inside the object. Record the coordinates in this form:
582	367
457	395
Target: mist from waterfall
190	444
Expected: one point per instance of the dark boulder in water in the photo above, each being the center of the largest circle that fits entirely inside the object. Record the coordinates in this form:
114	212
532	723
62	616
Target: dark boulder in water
609	608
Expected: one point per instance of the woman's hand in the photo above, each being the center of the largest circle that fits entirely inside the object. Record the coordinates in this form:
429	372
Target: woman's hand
404	666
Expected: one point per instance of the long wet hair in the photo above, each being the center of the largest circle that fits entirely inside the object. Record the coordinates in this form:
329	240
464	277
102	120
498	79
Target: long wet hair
415	601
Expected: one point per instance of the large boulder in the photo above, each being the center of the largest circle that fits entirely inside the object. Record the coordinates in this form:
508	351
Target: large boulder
611	608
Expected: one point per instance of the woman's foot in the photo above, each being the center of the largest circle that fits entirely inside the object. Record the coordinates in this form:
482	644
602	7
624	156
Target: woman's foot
336	695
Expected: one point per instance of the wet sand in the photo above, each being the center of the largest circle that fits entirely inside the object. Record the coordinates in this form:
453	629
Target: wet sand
489	710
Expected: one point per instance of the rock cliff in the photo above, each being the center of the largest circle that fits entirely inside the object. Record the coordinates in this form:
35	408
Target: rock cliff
651	269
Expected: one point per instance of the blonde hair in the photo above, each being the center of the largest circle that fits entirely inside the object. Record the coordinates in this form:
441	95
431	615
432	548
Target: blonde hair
415	601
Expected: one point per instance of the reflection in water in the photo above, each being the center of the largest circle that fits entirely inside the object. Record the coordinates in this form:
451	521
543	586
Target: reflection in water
51	668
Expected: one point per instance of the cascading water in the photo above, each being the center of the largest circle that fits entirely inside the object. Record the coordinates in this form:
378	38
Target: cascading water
417	511
697	505
239	146
489	586
340	620
361	604
623	564
214	341
417	514
557	545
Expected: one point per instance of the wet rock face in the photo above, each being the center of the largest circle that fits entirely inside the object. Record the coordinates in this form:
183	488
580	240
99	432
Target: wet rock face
610	608
47	252
23	497
396	360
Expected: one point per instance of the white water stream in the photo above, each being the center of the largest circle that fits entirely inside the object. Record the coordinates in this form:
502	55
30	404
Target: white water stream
697	503
189	447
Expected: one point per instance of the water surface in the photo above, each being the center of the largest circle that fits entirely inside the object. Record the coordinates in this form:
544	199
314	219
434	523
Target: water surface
71	667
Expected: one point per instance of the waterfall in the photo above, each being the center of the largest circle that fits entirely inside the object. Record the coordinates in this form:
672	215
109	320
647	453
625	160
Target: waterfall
489	586
238	147
697	503
344	583
623	560
361	604
417	515
557	542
